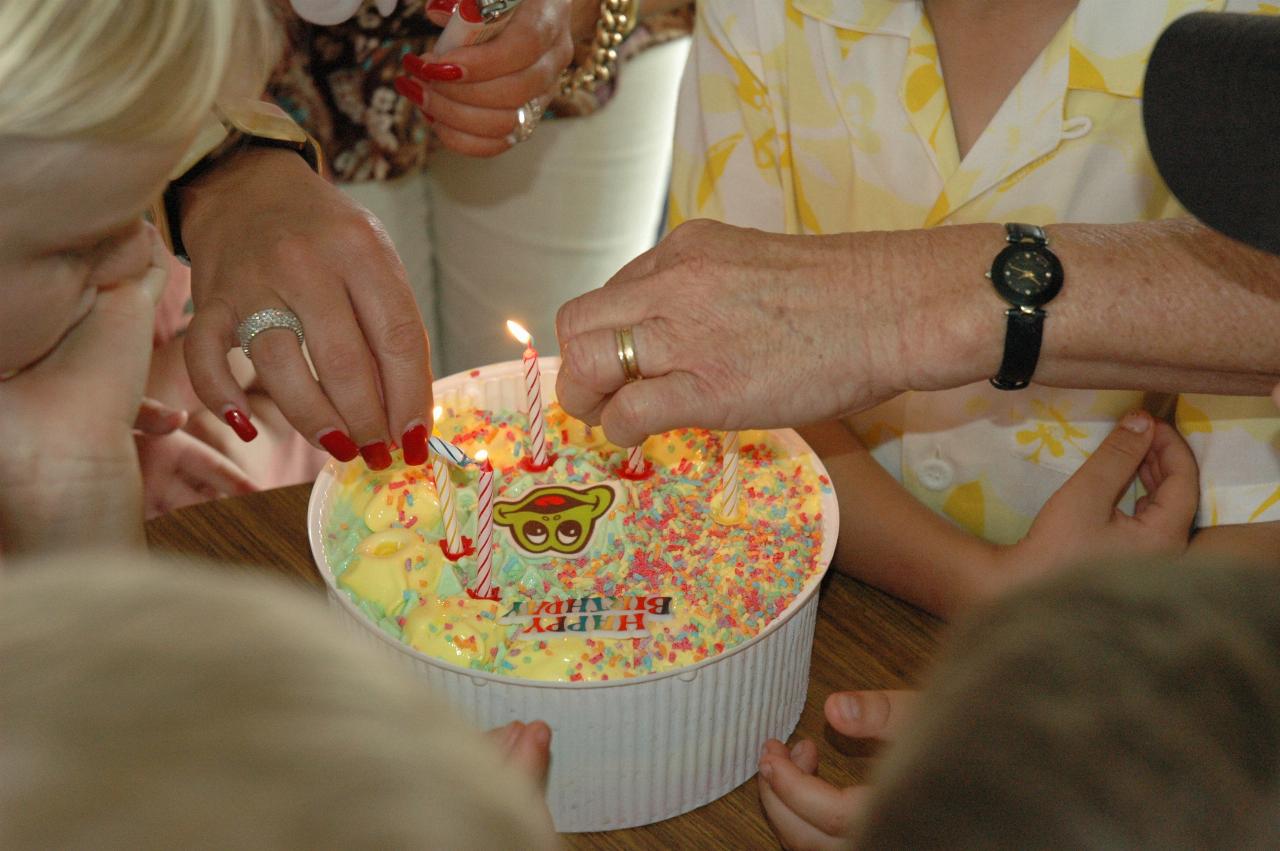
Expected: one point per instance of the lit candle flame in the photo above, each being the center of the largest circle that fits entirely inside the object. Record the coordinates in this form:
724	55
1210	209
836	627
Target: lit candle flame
517	331
437	412
482	455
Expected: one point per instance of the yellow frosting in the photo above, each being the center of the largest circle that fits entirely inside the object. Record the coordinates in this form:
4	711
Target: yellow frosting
378	572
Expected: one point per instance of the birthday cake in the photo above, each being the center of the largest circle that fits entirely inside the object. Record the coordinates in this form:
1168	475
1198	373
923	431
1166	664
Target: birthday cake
597	570
655	608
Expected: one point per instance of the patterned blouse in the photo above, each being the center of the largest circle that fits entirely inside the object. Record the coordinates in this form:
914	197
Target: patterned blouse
336	81
828	116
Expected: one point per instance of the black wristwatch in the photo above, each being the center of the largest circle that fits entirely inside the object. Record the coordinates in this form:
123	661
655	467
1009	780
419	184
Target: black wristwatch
1027	275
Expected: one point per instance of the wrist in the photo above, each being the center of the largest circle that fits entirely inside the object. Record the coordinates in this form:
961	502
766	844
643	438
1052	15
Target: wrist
952	324
204	201
583	15
72	503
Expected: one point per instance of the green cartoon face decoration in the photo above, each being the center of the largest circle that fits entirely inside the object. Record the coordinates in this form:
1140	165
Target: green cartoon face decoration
556	518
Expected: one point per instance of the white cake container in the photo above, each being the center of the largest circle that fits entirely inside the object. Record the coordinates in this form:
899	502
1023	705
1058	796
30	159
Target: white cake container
623	752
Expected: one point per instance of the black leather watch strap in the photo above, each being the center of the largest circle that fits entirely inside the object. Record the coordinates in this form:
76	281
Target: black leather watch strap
1023	332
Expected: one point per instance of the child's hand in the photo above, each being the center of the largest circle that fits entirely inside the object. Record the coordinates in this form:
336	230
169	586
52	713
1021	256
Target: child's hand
1081	520
157	419
527	747
180	470
806	811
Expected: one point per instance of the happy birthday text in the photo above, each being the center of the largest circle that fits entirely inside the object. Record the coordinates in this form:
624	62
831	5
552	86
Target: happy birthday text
600	617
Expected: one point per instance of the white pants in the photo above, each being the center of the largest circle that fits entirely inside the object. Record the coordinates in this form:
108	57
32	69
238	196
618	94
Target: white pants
516	236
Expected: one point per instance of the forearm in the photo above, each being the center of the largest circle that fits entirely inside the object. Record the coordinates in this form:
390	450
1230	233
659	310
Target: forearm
90	506
889	540
1163	306
1254	542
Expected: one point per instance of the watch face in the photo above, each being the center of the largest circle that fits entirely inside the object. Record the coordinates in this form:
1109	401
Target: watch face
1026	275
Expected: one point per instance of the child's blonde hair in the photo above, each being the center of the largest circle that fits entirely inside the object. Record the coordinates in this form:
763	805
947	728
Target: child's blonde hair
127	69
170	706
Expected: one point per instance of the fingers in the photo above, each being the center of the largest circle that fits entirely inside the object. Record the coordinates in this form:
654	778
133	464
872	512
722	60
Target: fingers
469	145
490	124
536	30
111	345
654	405
1096	487
804	754
347	373
526	747
505	93
870	714
155	418
591	367
806	811
284	374
210	335
439	11
393	330
617	305
1171	477
207	469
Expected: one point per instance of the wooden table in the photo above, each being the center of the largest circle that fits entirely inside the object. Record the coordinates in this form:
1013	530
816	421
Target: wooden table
865	639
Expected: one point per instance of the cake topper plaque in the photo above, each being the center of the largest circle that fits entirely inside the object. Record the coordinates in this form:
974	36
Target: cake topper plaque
554	519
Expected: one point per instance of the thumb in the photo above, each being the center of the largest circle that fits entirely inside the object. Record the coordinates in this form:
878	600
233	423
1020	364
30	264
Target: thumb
869	714
659	404
1101	480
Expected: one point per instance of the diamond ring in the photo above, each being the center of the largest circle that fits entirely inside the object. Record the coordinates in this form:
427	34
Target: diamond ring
265	320
527	118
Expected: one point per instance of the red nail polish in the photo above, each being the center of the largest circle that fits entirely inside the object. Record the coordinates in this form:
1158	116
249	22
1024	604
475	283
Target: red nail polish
409	89
337	444
443	72
376	455
412	63
414	444
239	423
469	11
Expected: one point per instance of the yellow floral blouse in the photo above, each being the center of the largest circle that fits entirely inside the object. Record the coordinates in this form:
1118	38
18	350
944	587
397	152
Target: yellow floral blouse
826	116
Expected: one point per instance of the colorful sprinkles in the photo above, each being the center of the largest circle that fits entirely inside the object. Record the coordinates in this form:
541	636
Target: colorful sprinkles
728	582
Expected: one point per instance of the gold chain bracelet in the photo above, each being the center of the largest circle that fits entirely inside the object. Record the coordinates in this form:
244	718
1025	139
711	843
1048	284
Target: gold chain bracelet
617	20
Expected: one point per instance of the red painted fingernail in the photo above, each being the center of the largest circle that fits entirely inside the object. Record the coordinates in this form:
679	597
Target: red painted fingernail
409	89
337	444
239	423
446	6
469	10
376	455
414	444
412	63
443	72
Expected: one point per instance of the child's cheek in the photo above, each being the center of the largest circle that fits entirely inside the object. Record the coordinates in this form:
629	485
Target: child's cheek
38	314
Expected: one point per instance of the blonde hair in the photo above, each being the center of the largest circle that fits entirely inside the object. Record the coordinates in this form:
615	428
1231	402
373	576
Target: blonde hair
1123	706
166	705
118	70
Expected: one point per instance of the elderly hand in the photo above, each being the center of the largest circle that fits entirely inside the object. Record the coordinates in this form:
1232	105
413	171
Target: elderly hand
805	811
471	94
264	231
733	328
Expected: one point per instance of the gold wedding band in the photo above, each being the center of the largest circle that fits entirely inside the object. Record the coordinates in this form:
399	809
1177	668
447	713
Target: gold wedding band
627	354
